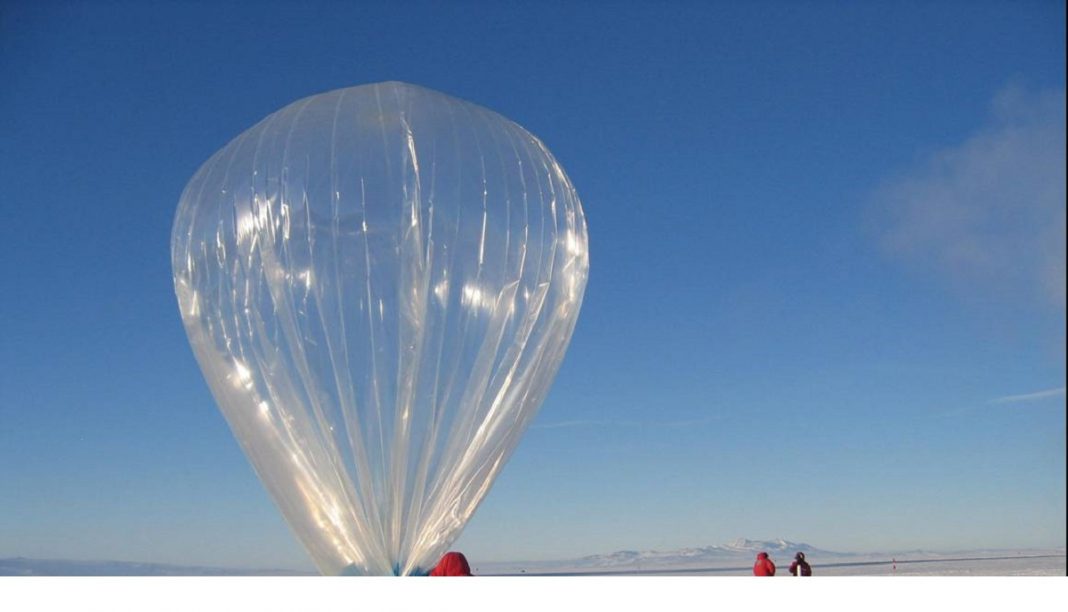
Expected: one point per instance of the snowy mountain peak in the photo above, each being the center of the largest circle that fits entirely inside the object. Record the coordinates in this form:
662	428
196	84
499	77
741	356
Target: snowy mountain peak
776	545
737	549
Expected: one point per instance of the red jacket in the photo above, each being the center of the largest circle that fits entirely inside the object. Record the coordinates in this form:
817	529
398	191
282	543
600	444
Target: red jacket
452	564
764	566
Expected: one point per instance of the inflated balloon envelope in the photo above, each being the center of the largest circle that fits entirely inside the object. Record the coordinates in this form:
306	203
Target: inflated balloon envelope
379	284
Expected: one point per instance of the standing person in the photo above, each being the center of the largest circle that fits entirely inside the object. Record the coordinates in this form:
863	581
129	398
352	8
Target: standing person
764	566
800	567
452	564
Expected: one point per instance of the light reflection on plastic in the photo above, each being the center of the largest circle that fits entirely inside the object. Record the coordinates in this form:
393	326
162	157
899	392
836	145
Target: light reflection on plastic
243	375
441	291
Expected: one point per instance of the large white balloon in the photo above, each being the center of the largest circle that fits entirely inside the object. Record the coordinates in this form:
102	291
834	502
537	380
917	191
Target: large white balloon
379	284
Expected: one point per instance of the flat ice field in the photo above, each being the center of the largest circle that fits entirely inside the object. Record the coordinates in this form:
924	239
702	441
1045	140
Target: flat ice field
992	563
1036	565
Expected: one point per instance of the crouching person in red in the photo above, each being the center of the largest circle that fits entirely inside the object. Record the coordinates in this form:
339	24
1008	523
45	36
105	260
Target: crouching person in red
764	566
452	564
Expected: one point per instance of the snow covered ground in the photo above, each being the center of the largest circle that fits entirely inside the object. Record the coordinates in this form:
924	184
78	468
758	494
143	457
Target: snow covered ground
1025	563
1028	563
736	559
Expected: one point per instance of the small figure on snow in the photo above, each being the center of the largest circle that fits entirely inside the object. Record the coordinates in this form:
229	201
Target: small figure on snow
452	564
800	567
764	565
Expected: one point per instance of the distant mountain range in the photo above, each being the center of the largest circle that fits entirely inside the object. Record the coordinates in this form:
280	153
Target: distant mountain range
736	550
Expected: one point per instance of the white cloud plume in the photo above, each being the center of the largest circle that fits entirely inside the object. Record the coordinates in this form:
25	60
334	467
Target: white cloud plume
991	209
1029	397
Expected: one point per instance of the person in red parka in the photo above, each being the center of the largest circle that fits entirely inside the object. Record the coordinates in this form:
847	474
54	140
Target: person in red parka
800	565
452	564
764	566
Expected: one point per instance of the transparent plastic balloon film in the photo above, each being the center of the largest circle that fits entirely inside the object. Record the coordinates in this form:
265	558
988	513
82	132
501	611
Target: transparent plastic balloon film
379	284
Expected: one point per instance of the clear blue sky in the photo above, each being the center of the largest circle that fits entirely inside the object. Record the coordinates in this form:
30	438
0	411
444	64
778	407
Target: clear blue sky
826	296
